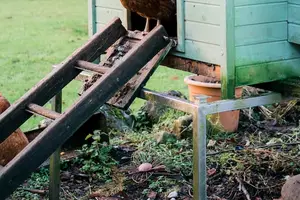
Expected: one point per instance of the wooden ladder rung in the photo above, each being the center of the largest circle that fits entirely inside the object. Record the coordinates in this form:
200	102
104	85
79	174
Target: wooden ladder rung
39	110
84	65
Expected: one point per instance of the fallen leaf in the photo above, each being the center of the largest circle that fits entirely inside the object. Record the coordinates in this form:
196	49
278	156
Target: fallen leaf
211	171
152	195
211	143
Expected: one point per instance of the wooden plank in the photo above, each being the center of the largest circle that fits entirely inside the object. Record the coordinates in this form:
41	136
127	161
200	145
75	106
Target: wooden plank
228	64
293	13
202	52
100	26
192	66
126	95
294	2
294	33
267	72
106	14
114	4
92	17
261	13
203	13
208	2
266	52
200	32
254	2
16	171
260	33
180	25
57	79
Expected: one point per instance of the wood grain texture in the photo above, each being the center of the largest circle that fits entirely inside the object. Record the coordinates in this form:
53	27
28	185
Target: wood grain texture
294	33
266	52
228	64
61	129
294	13
267	72
202	13
260	13
201	51
57	79
255	2
294	21
260	33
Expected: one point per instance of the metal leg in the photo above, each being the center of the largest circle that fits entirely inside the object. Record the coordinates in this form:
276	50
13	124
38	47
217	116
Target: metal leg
54	187
199	155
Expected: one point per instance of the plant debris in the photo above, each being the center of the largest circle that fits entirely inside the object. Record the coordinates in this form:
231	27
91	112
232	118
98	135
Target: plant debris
252	163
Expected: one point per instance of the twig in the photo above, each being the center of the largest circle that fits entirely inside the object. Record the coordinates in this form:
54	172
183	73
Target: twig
242	188
258	147
35	191
265	188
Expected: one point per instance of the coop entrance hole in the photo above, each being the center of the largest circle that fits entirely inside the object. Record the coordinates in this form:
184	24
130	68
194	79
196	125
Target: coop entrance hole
138	23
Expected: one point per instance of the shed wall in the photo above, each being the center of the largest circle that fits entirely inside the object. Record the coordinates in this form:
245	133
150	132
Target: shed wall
202	31
263	52
294	21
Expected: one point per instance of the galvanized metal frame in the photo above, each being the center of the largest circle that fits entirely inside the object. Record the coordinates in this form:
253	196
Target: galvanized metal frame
199	110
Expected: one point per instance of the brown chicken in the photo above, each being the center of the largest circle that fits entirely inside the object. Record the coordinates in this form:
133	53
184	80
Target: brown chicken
160	10
15	143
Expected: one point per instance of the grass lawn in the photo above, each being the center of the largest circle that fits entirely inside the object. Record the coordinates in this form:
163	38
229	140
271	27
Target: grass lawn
37	34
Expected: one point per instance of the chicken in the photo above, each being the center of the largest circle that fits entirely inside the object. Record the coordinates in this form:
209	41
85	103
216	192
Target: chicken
160	10
15	143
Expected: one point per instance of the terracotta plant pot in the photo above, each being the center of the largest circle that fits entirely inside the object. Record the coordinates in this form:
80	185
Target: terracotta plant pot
201	85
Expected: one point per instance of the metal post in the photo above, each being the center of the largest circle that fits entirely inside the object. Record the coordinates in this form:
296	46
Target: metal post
199	150
54	187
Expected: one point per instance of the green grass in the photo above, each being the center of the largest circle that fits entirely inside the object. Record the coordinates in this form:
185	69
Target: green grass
37	34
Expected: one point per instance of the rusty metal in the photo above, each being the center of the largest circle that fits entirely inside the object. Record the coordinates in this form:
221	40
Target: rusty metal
84	65
41	111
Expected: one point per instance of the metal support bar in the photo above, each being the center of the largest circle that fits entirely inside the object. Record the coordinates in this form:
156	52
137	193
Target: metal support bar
168	100
54	168
237	104
200	112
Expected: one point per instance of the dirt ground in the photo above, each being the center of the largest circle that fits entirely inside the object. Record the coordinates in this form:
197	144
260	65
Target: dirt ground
252	163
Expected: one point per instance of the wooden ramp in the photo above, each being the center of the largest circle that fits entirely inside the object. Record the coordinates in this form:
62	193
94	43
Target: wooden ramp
147	52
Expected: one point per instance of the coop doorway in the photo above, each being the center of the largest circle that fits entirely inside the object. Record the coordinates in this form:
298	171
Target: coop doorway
174	28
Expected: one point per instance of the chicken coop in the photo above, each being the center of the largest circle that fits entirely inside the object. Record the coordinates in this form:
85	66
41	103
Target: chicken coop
254	41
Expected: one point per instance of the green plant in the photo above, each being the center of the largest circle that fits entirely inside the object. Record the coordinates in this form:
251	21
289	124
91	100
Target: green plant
95	158
38	180
176	156
160	184
141	120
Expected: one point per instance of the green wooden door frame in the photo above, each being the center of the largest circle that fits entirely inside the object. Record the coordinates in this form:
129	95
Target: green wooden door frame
228	46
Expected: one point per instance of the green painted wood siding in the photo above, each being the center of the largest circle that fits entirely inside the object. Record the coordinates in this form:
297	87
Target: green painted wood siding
294	21
253	40
106	10
203	33
263	52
